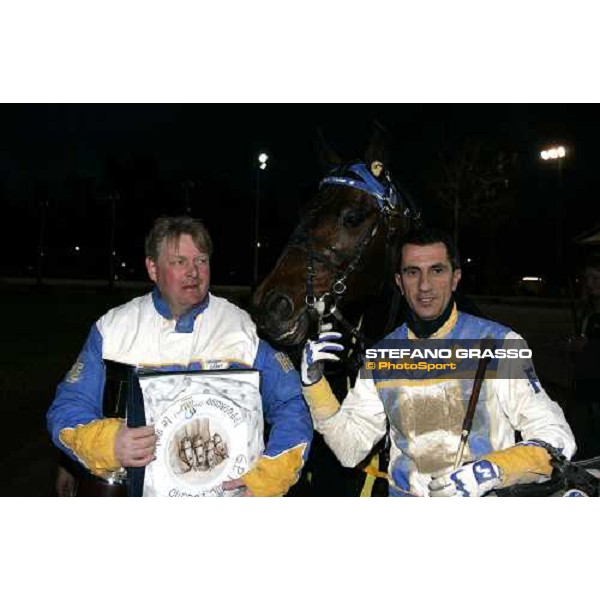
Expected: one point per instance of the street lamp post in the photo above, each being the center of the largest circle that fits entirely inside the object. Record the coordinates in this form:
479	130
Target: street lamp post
43	204
113	198
262	165
187	186
557	153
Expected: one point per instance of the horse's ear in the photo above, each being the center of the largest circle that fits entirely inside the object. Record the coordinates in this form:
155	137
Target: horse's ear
375	154
328	158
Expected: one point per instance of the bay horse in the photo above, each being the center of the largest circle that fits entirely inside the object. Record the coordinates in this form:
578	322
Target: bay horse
337	265
339	261
337	258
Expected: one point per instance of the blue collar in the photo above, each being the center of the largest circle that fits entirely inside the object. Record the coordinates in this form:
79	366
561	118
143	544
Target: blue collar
385	194
185	323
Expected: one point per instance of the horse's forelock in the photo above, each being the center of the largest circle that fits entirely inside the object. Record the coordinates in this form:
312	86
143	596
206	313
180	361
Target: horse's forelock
331	199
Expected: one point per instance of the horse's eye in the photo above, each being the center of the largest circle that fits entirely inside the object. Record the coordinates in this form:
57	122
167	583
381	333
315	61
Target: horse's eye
353	217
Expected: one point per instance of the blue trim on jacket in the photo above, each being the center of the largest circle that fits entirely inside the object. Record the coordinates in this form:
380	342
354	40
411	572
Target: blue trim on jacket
283	403
79	396
185	323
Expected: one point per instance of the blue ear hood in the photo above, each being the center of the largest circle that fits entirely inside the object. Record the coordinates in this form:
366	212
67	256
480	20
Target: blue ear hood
385	193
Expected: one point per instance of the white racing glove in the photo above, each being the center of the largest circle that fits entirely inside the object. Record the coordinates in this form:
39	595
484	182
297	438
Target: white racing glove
315	352
474	479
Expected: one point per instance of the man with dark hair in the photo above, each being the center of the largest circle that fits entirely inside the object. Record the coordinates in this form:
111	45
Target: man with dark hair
430	235
179	325
426	414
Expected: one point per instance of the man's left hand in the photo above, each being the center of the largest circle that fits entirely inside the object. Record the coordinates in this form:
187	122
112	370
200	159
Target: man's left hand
238	486
474	479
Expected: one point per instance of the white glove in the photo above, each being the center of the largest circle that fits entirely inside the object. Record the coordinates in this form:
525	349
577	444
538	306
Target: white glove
474	479
315	352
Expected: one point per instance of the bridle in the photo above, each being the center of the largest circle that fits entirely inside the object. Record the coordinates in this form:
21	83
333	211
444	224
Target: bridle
391	205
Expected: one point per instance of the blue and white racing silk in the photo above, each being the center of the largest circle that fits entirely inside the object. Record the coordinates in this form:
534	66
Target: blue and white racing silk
425	414
214	335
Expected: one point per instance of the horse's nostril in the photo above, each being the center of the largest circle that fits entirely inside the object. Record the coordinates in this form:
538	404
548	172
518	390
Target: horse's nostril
280	307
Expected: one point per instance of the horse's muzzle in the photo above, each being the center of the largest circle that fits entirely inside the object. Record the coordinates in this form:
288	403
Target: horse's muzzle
280	321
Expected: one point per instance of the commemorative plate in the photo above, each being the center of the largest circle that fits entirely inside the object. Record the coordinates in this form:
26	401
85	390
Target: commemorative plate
209	428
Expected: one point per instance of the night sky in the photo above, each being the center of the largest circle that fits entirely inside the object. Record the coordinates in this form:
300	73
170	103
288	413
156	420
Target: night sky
69	158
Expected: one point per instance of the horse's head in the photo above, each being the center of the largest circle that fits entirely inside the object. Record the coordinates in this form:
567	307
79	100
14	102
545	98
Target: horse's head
336	255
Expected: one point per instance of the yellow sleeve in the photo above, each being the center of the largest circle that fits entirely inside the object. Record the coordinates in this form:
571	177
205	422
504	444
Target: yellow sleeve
274	475
94	444
521	464
321	400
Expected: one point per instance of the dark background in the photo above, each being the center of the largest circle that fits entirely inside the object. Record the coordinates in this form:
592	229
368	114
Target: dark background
60	165
160	159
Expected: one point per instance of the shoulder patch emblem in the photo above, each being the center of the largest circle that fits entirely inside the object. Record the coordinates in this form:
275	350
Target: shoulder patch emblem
74	375
284	361
533	379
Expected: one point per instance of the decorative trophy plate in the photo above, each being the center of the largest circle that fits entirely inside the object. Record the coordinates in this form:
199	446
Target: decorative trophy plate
209	428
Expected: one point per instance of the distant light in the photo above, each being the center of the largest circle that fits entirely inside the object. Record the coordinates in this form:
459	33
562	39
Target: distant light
263	166
263	158
123	264
531	279
114	253
469	260
553	153
258	244
77	248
